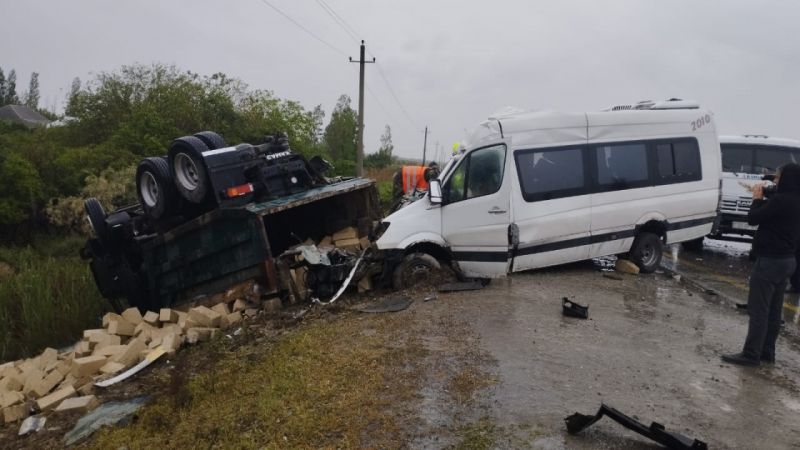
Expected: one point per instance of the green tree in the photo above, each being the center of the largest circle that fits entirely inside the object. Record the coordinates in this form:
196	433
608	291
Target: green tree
2	88
21	189
10	97
383	157
32	97
340	134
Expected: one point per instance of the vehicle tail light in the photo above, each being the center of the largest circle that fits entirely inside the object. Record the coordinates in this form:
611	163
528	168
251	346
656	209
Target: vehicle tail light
238	191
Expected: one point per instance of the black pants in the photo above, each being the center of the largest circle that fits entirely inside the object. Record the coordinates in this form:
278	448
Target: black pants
765	305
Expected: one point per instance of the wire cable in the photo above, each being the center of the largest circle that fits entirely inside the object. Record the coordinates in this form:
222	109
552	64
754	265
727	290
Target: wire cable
329	45
339	21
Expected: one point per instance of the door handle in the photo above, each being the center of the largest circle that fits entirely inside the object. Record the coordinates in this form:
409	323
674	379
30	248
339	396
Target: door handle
497	210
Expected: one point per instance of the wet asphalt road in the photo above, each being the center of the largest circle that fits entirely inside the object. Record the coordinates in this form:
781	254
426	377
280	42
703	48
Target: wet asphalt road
650	348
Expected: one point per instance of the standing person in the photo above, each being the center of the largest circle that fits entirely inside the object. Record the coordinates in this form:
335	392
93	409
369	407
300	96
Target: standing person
775	244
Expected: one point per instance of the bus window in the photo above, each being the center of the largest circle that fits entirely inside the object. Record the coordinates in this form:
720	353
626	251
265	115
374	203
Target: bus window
768	160
737	159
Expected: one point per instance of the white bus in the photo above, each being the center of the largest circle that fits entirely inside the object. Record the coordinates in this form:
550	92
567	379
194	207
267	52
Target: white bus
537	189
745	161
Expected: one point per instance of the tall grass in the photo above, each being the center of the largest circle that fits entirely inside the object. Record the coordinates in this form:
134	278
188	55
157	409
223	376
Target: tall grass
47	298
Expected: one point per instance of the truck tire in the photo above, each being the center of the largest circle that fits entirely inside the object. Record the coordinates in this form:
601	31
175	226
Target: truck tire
212	140
97	220
154	186
415	267
188	168
646	252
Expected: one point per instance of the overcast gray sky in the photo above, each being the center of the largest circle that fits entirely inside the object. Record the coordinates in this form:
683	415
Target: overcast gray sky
450	63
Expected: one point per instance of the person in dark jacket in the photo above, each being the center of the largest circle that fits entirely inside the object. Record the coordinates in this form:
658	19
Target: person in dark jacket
775	243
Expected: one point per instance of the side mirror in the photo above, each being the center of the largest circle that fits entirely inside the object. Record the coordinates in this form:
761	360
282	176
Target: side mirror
435	192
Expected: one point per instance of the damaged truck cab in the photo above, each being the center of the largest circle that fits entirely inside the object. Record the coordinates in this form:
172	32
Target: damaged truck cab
536	189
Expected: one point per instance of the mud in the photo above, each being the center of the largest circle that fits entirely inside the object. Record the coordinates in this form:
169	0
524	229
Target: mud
650	348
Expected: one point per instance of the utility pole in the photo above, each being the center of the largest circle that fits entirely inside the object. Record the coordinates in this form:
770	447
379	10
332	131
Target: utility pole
425	146
360	148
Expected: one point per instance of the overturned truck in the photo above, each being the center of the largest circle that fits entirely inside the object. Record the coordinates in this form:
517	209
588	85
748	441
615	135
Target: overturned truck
212	215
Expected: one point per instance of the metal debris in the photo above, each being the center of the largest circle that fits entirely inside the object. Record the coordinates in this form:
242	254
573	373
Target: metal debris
32	424
572	309
579	422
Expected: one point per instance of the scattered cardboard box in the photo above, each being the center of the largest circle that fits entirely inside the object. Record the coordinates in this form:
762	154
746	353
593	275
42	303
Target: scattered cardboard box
122	327
49	402
80	404
168	315
204	316
87	365
133	316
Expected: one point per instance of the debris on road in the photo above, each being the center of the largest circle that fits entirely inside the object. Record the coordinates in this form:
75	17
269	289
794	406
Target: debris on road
389	304
430	298
31	425
572	309
473	285
625	266
612	276
741	306
579	422
110	413
154	355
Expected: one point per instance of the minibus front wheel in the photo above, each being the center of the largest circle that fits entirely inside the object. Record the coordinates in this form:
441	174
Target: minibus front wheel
646	252
414	268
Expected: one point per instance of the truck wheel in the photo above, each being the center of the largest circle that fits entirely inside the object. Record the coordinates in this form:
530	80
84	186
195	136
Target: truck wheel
97	220
695	245
188	168
646	252
154	186
414	268
212	140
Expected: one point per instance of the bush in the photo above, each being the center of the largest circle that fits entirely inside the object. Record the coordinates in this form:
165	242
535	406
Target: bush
113	188
47	298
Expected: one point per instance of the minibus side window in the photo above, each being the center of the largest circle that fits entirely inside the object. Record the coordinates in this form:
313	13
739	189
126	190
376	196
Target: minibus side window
622	166
677	162
551	173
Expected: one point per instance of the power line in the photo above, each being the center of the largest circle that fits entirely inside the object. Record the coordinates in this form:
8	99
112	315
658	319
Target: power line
339	21
353	35
304	28
396	99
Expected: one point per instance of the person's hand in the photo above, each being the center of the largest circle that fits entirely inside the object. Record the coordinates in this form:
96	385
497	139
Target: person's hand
758	192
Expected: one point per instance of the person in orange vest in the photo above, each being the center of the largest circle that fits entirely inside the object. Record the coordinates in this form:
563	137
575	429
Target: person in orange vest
413	178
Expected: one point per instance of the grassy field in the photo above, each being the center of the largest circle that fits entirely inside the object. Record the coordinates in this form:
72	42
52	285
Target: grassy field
47	296
321	386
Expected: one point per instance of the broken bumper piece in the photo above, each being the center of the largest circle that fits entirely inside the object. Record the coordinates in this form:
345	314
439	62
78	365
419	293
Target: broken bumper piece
579	422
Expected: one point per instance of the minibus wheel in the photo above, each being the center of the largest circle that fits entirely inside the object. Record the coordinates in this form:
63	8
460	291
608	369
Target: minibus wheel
646	252
415	268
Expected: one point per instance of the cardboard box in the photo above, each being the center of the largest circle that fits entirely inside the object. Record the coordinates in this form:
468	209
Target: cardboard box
122	327
204	316
345	233
109	317
81	404
168	315
16	412
87	366
49	402
151	317
131	354
132	315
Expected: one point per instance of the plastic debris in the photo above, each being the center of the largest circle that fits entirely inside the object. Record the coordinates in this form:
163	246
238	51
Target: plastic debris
111	413
579	422
572	309
32	424
154	355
